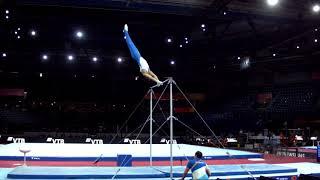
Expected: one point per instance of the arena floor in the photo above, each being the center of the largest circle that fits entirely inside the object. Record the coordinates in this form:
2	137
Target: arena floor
55	161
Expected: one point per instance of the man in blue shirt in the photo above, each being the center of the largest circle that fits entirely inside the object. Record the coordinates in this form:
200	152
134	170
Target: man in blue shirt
135	54
199	169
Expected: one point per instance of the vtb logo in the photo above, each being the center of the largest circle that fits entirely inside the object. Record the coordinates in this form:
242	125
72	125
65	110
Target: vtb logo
55	141
133	141
163	140
94	141
16	140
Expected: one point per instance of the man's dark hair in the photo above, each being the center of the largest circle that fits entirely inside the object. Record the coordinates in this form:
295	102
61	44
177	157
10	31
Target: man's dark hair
198	154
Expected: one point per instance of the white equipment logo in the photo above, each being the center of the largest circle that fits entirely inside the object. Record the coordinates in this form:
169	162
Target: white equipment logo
55	141
94	141
16	140
163	140
133	141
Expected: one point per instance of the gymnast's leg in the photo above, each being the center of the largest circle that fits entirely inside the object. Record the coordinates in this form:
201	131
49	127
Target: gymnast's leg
135	54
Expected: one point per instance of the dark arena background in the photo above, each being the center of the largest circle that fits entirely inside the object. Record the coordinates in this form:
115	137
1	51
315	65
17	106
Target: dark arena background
241	85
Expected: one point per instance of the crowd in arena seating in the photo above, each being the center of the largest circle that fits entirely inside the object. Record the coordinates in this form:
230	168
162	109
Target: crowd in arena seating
17	121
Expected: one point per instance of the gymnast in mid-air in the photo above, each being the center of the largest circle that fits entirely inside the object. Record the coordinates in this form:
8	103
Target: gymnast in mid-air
135	54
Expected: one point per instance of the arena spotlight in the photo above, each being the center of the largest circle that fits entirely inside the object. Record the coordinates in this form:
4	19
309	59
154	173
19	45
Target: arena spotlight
40	74
298	47
224	13
274	54
33	33
15	32
7	17
70	57
272	2
19	29
18	37
316	8
7	11
94	59
172	62
203	29
4	55
79	34
119	60
316	29
239	57
203	25
187	42
169	40
315	40
44	57
181	45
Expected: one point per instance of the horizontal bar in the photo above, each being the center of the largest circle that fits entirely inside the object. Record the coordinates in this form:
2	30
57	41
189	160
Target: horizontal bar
160	85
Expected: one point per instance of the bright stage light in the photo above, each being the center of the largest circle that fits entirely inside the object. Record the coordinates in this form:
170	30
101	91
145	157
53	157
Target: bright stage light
203	25
40	74
316	8
119	60
316	40
298	47
94	59
272	2
273	54
44	57
7	11
172	62
79	34
33	33
4	55
169	40
70	57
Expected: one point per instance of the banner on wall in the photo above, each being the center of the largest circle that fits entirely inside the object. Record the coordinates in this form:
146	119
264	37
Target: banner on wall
12	92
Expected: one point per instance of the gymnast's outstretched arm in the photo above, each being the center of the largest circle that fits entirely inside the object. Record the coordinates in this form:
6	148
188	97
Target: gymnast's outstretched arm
149	76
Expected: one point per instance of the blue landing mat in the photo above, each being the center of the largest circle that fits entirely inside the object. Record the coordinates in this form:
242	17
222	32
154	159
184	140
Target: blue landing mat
138	172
